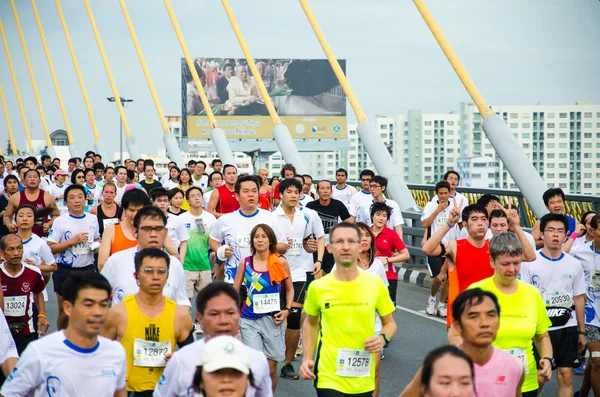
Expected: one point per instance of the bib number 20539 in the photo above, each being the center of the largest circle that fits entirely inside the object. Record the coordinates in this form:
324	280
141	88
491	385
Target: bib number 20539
353	363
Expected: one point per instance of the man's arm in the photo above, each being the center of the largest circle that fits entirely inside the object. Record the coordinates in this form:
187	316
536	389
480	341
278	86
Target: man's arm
9	212
42	322
65	245
184	323
429	219
111	326
398	230
212	204
515	225
121	393
310	333
580	314
105	244
8	365
537	235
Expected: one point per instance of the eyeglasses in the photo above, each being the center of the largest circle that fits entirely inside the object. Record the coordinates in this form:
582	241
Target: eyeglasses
151	270
345	242
195	196
552	230
149	229
374	186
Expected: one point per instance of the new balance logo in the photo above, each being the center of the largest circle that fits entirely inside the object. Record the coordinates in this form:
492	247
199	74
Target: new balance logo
501	379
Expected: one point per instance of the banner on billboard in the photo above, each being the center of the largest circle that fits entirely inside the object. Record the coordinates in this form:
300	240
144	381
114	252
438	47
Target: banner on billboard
305	92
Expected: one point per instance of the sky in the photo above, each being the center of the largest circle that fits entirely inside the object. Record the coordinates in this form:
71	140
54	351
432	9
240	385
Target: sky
517	52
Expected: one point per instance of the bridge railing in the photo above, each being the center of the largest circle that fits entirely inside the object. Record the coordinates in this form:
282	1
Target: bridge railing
575	206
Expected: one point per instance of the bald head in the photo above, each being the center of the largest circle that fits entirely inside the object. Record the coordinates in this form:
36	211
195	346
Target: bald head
4	241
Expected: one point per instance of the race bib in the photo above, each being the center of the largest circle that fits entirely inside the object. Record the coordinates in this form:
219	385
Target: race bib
82	248
150	354
296	247
353	363
558	299
243	240
15	306
108	222
520	355
441	220
266	303
326	238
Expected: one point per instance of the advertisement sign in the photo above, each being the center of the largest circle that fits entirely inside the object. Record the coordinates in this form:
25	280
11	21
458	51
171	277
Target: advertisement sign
305	92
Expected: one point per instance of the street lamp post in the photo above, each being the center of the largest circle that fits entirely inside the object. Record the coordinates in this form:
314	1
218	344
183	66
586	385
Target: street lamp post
124	102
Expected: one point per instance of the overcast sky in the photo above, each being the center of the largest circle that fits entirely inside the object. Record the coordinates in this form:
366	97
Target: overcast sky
517	52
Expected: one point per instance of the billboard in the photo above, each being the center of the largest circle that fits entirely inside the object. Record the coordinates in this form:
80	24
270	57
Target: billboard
305	92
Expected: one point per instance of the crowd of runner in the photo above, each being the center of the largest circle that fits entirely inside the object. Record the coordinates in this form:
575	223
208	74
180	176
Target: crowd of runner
276	269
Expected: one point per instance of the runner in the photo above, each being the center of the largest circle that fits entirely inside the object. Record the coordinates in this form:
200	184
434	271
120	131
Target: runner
147	324
8	350
22	286
304	198
499	224
223	199
168	175
93	191
435	215
363	197
589	256
177	197
266	191
582	234
35	197
477	318
330	211
342	191
149	183
390	248
176	230
149	225
108	212
215	179
554	199
230	236
57	190
70	361
216	165
378	186
559	278
71	238
99	171
198	223
341	309
217	310
109	174
11	186
171	179
263	274
185	182
120	236
199	178
308	187
288	171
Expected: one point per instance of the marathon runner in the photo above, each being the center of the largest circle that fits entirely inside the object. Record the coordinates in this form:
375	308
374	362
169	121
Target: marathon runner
149	183
75	359
108	212
288	171
57	189
199	178
218	312
149	225
71	239
341	312
304	198
378	186
230	236
22	286
330	211
93	191
147	324
499	224
121	183
223	199
363	197
176	230
215	180
342	191
559	278
177	196
496	373
263	274
11	186
554	199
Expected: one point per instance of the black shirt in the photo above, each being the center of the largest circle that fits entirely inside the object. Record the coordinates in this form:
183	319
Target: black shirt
149	186
329	215
3	204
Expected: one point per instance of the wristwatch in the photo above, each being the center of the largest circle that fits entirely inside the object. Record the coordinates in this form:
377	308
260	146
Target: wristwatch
386	340
582	332
552	362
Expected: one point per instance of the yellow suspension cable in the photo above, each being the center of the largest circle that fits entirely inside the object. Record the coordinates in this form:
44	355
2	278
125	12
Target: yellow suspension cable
86	99
138	49
458	67
339	73
259	82
108	71
8	125
17	91
190	63
52	73
31	75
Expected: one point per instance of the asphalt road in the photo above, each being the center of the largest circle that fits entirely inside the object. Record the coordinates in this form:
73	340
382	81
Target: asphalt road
417	334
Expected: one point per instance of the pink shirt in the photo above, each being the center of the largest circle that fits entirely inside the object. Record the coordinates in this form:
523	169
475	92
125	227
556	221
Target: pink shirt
499	377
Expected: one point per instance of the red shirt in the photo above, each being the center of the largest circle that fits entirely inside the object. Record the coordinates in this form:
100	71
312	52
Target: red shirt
18	295
386	242
227	201
276	194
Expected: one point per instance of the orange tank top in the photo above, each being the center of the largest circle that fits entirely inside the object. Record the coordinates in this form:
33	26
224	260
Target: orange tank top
471	265
120	241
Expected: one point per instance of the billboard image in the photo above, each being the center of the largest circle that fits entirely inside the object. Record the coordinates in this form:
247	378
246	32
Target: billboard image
305	92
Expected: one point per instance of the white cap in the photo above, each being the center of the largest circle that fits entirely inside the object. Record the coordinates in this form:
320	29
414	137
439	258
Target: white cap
225	352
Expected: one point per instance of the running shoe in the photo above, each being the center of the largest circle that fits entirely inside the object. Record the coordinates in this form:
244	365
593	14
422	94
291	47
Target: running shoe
430	309
441	310
288	372
579	370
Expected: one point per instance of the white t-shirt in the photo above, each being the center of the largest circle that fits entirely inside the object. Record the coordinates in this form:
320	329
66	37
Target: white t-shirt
66	227
457	196
119	269
590	260
169	184
305	200
361	199
56	190
234	230
8	348
45	185
120	193
206	198
396	219
177	230
579	241
439	221
317	230
297	230
555	277
343	194
178	375
53	366
463	234
37	250
202	183
96	193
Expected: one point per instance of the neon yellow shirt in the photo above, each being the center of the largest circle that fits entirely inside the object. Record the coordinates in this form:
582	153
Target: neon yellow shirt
347	311
522	316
